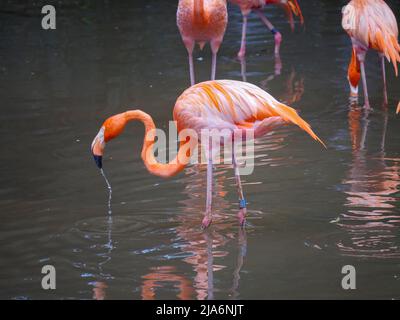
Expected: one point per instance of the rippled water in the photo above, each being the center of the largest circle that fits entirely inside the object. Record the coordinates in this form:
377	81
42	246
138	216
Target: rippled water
311	211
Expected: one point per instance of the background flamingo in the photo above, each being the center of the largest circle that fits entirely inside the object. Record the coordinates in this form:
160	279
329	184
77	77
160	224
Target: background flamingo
225	104
370	24
246	6
201	21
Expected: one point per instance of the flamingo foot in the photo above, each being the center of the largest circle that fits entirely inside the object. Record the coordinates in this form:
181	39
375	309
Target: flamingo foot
206	221
242	216
278	41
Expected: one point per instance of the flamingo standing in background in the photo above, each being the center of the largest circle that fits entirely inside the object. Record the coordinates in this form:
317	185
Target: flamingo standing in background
246	6
236	106
201	21
370	24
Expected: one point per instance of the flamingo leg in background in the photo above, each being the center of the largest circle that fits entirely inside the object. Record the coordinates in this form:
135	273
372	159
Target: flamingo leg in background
242	51
189	44
242	201
270	26
361	57
214	49
208	214
243	69
385	96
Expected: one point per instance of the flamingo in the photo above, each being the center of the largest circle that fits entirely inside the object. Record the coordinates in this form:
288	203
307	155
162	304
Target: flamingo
370	24
220	104
201	21
246	6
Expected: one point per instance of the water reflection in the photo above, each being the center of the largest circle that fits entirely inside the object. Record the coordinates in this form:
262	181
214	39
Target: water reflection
163	275
201	249
372	221
293	87
277	67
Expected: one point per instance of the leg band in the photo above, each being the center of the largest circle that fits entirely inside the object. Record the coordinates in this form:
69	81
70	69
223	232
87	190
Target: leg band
242	203
274	31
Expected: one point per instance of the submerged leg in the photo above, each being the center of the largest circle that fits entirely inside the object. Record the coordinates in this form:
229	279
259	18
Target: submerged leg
242	51
385	97
361	58
276	33
208	214
242	201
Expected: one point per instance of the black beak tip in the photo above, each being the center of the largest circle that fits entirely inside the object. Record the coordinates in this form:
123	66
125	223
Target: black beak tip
98	160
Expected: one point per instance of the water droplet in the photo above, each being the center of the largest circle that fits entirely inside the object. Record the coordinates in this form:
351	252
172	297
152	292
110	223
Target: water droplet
109	190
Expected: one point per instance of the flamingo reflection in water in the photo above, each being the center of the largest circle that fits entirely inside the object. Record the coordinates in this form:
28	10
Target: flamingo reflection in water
293	87
371	221
200	248
277	67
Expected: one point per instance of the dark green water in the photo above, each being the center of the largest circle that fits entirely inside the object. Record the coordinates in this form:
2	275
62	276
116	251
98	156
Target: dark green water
311	211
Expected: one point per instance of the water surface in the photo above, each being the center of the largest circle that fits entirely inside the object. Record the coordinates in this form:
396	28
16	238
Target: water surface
311	211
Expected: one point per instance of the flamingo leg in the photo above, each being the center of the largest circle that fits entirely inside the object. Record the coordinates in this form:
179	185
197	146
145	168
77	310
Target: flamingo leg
243	69
270	26
213	65
189	44
361	57
242	51
208	214
385	97
215	44
242	201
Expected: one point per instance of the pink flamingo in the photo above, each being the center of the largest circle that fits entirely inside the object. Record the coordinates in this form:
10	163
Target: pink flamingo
370	24
246	6
236	106
201	21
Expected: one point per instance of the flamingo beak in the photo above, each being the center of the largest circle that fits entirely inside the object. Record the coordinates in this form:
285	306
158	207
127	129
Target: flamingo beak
97	148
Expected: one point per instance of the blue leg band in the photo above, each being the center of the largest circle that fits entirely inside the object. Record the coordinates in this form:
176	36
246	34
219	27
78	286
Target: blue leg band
242	203
274	31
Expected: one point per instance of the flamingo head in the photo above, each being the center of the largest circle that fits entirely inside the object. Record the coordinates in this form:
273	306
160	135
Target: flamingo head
110	129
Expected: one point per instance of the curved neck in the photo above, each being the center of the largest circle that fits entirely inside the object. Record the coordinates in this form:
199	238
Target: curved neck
353	72
151	163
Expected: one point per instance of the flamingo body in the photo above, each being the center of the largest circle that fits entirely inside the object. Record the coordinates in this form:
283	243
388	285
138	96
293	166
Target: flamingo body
203	24
290	7
230	104
219	104
247	5
201	21
370	24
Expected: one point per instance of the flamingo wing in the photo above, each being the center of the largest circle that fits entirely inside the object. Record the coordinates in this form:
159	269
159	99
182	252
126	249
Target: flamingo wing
229	104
